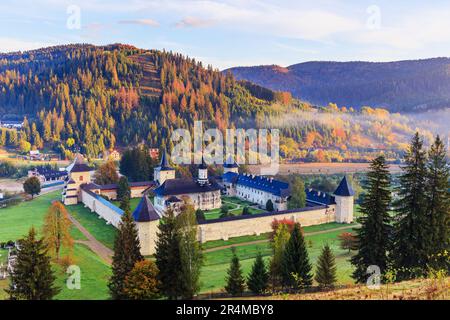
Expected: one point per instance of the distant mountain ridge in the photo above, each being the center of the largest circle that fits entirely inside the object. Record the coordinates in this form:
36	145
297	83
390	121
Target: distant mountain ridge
407	86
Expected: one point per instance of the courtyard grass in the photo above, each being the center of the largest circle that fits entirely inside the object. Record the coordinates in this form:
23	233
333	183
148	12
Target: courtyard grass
236	208
133	203
105	233
95	274
265	236
15	221
216	263
3	256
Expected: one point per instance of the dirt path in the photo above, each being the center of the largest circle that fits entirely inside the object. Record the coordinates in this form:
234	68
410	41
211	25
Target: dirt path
267	240
101	250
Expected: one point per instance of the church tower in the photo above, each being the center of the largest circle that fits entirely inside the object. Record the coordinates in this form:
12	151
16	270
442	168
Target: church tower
164	171
344	202
202	178
230	165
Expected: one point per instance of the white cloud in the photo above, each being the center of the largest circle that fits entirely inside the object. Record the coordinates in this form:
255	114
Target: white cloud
193	22
12	45
144	22
412	30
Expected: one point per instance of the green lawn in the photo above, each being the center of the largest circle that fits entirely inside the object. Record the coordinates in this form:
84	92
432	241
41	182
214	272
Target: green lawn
216	263
3	256
96	226
15	221
236	240
94	277
243	239
237	206
133	203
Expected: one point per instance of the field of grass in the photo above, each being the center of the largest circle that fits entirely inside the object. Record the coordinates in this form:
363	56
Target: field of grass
133	203
94	276
217	262
243	239
15	221
96	226
3	256
236	240
236	207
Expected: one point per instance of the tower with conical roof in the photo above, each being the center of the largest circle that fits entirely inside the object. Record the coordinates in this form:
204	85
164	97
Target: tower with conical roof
164	171
202	173
343	196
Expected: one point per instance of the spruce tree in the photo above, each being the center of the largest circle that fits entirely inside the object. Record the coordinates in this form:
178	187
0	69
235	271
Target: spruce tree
32	277
259	276
411	232
326	268
126	254
295	266
374	238
190	252
167	255
438	199
235	280
123	188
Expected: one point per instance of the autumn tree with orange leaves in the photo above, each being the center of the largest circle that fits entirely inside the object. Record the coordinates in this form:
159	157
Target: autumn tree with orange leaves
56	229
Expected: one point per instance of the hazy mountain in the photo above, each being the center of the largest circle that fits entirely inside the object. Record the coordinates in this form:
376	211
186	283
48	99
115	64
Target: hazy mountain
398	86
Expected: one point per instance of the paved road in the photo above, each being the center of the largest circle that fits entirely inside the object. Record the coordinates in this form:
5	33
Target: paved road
267	240
99	248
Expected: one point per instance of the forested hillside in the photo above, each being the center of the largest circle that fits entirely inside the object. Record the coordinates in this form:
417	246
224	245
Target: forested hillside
88	98
406	86
103	96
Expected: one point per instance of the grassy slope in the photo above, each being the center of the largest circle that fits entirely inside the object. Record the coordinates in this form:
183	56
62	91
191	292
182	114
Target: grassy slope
133	203
94	277
95	225
216	263
15	221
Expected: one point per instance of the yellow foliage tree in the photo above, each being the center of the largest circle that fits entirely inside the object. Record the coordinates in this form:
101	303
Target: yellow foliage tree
56	229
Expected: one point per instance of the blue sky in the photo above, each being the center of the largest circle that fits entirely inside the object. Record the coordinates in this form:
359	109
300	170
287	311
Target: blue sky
228	33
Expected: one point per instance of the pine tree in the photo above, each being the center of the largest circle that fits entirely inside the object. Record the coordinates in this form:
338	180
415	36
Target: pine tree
438	199
33	277
326	268
279	242
411	232
269	205
126	254
190	252
298	198
295	266
123	188
235	280
259	277
374	238
167	255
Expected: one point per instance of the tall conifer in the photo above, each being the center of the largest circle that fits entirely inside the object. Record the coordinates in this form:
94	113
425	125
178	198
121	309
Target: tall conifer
411	232
235	280
438	199
326	269
295	266
258	279
32	277
167	255
374	238
126	254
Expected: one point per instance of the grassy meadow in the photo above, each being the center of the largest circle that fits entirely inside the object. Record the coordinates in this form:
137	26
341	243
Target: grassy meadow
217	262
